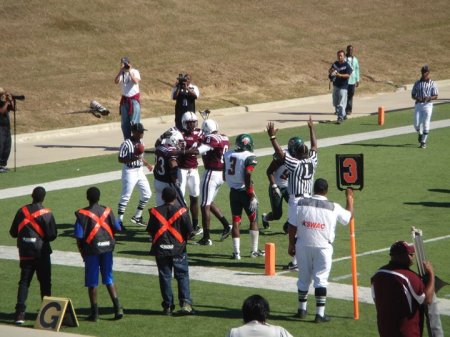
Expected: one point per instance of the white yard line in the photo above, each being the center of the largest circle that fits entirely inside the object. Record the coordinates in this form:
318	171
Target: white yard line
219	276
371	252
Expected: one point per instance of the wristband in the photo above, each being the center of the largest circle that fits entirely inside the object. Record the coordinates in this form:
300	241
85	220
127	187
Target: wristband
273	137
274	186
250	190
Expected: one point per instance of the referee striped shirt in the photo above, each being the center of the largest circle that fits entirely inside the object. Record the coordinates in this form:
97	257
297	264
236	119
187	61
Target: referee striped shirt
127	151
301	177
423	89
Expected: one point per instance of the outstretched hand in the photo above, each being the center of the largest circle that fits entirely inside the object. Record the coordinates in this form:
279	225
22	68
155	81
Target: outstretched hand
310	122
271	131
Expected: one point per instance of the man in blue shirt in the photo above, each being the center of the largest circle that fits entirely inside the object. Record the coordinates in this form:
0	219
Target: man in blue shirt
339	74
94	230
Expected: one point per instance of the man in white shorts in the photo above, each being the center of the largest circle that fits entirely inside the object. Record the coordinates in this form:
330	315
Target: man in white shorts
188	166
311	239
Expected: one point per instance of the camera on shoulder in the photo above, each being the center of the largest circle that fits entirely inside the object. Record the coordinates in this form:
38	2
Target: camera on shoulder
182	78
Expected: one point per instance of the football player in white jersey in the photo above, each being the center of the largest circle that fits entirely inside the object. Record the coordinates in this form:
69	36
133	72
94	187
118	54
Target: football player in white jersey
238	167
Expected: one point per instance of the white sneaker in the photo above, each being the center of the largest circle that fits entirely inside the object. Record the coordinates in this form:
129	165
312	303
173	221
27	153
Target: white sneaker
236	256
257	253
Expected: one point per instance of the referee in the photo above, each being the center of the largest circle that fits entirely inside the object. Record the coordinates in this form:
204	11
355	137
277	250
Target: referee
133	174
423	92
301	169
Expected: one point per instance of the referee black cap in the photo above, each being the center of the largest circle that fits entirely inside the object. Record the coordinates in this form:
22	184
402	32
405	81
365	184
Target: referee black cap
425	69
138	127
93	194
321	186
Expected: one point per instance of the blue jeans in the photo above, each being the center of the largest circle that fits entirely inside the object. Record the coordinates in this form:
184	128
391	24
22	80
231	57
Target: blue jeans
179	264
340	101
127	119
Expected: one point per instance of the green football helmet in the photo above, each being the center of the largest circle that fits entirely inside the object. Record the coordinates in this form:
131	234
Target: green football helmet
296	146
244	142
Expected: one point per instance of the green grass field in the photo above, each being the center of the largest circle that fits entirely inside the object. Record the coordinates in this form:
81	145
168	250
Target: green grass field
404	186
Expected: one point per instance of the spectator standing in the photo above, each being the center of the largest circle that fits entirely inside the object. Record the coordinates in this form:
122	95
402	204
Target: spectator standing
255	312
130	106
423	92
94	231
34	227
353	81
339	73
399	293
170	227
311	239
6	104
184	93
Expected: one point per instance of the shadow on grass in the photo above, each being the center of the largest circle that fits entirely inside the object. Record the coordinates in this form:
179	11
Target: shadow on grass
440	190
429	204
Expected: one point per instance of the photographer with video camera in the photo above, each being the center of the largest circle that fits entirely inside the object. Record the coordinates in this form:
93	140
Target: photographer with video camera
130	105
6	105
184	93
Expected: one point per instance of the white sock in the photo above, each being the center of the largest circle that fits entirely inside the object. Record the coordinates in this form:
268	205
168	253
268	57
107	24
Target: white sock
237	245
254	237
138	213
320	310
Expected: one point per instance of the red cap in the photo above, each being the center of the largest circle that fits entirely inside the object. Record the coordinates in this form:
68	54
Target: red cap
400	248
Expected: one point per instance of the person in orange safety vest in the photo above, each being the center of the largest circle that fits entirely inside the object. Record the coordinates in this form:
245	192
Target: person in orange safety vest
94	230
170	227
34	227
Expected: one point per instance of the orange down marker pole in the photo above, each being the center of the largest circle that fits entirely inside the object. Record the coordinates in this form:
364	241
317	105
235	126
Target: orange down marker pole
354	273
270	259
380	115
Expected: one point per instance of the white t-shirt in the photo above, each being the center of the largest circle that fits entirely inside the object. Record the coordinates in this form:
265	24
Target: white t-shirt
316	221
129	88
257	329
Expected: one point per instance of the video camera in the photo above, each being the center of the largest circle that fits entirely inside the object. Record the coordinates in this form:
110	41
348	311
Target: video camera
8	97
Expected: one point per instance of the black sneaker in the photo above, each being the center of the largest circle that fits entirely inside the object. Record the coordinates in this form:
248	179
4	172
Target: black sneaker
19	318
301	314
339	120
167	311
226	233
322	319
204	242
286	228
423	145
138	221
265	223
118	313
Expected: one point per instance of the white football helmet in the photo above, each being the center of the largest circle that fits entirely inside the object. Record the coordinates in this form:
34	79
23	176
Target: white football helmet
175	139
189	116
209	126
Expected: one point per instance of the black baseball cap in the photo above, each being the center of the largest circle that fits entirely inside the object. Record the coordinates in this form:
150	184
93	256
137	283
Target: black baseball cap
138	127
425	69
401	248
125	60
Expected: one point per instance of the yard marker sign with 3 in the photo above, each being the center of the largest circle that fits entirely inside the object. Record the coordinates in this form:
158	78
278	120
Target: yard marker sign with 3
350	171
